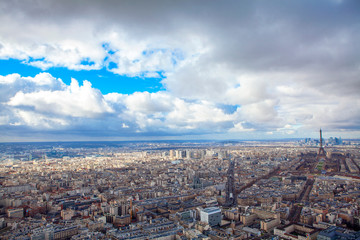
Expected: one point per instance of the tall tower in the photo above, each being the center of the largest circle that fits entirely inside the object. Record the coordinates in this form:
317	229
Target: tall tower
230	199
321	153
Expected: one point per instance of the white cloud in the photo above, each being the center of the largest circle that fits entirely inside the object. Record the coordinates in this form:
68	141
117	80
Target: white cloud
149	103
197	113
13	83
37	120
262	112
162	111
140	112
282	69
78	48
9	79
69	107
74	101
40	80
238	127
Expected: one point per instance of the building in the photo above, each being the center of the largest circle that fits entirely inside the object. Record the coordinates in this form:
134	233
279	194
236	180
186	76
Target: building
65	233
15	213
248	218
197	182
269	224
334	232
67	214
296	231
160	228
211	216
172	154
54	232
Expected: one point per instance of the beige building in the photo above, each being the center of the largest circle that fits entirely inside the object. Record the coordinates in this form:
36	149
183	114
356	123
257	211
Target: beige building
248	219
15	213
296	232
65	233
269	224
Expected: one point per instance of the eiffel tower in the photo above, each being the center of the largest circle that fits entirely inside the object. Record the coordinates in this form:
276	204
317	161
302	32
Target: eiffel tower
321	153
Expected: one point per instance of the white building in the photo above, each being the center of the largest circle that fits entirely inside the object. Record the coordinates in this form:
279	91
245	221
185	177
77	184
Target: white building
211	216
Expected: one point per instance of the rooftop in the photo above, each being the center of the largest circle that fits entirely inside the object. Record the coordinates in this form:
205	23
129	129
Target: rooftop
211	210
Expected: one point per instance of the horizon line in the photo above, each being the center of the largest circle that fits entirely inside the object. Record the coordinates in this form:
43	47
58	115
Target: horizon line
175	140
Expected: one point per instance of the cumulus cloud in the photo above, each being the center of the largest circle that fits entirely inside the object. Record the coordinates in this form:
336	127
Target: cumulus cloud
284	68
162	112
74	100
75	108
13	83
82	109
37	120
149	103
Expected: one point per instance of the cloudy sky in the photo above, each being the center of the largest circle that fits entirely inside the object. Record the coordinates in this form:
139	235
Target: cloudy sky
126	70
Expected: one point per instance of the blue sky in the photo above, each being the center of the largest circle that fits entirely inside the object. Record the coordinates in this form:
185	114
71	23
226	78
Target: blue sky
178	70
101	79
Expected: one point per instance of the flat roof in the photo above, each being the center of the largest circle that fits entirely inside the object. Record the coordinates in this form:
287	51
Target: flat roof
211	210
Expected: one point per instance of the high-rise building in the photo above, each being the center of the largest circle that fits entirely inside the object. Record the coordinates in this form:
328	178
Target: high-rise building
179	154
188	154
172	154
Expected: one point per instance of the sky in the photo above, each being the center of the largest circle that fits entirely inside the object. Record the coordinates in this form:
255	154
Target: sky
152	70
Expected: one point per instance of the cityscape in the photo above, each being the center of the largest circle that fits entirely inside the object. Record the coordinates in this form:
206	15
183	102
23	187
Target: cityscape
179	119
307	189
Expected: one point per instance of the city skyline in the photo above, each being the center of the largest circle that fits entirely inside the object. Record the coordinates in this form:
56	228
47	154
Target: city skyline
116	70
159	190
